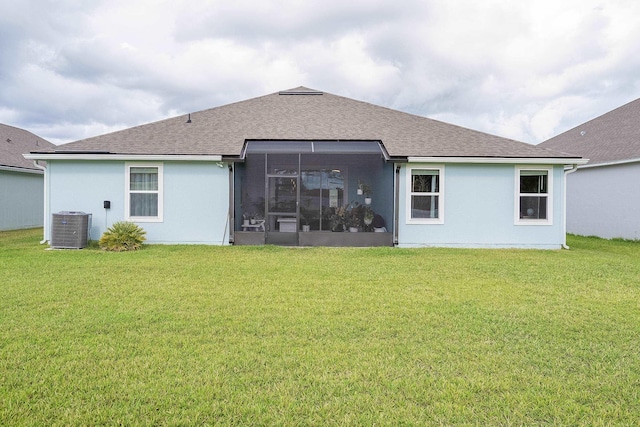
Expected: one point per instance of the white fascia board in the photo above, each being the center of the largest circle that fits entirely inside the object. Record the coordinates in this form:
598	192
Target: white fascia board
616	162
125	157
501	160
21	170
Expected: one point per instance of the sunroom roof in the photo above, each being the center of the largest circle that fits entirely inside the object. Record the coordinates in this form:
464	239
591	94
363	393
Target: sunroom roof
315	147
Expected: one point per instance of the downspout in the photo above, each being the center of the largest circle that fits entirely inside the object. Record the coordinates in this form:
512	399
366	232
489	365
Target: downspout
396	214
45	222
230	215
564	213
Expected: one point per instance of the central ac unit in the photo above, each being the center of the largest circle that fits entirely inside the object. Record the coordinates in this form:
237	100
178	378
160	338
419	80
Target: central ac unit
70	230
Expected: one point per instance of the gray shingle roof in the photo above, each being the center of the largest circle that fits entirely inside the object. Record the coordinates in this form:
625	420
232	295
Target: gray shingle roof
304	114
612	137
15	142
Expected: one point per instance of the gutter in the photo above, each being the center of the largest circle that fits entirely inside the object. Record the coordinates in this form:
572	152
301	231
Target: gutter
46	200
612	163
124	157
20	169
499	160
573	168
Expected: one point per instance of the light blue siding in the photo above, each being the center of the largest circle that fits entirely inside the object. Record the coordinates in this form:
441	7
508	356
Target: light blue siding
479	204
196	199
479	211
21	200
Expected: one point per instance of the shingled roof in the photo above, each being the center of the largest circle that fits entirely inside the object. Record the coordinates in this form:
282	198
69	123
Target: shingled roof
304	114
14	142
612	137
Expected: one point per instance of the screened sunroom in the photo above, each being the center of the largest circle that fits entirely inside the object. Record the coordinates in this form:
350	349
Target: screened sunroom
314	193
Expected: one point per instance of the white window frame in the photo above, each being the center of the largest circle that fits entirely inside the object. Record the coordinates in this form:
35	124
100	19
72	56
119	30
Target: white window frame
548	195
127	192
440	194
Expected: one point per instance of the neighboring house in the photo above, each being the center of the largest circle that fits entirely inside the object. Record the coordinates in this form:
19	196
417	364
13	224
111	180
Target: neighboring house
21	182
294	160
603	196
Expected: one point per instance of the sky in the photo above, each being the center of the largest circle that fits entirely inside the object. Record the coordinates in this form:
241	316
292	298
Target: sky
526	70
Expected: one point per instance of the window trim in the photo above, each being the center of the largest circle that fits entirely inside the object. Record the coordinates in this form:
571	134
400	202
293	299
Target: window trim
127	192
440	194
548	195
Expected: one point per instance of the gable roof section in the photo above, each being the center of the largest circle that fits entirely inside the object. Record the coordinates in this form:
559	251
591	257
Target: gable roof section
15	142
611	138
304	114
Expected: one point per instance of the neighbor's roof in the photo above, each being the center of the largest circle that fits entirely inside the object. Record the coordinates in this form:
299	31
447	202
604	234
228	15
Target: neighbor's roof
610	138
15	142
304	114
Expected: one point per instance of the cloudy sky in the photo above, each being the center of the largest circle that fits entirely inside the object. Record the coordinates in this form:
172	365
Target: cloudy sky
527	70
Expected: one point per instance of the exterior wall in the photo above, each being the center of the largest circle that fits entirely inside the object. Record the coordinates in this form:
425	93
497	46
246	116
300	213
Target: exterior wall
196	199
21	200
479	211
604	201
479	204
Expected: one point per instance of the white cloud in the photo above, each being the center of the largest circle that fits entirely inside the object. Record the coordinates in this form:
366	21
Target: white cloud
524	70
546	120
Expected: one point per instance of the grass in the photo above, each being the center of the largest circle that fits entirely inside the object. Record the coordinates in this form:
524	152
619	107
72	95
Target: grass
197	335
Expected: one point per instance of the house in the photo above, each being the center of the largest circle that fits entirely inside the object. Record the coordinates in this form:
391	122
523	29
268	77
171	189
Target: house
267	169
603	195
21	182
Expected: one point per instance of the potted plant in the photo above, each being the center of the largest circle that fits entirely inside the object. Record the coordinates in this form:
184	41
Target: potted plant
337	218
305	222
347	217
365	189
354	216
308	215
368	218
353	222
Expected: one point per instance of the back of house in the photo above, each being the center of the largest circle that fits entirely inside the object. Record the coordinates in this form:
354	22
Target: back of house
309	168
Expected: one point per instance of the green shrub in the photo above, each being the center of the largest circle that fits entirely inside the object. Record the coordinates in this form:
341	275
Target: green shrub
122	236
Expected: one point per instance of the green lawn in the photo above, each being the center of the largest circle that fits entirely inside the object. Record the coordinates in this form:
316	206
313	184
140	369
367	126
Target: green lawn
199	335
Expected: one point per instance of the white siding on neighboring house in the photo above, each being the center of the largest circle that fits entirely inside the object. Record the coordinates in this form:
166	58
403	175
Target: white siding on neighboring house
604	201
21	200
477	203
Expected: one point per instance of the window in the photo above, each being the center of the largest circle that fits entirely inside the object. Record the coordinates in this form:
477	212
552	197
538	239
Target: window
425	201
533	204
143	202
